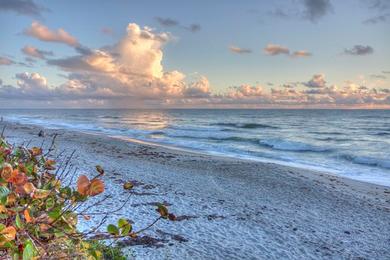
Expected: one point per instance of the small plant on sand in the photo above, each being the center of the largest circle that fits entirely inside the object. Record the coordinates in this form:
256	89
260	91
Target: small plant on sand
39	213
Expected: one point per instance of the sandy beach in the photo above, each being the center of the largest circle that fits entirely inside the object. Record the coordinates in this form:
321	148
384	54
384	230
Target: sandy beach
229	208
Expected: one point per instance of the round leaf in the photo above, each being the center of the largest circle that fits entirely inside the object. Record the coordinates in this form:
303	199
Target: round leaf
113	230
83	184
96	187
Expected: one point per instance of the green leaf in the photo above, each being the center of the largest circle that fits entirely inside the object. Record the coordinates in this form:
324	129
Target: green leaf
112	229
128	185
162	210
3	200
4	191
126	229
122	222
28	252
125	226
30	168
15	256
50	203
66	192
59	234
2	226
96	254
54	214
18	222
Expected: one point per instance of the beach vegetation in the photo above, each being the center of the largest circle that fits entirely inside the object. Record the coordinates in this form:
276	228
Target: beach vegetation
40	208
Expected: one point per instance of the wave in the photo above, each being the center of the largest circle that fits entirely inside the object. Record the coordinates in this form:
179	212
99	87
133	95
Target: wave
366	160
246	125
111	117
382	133
211	137
334	139
157	133
235	139
326	133
293	146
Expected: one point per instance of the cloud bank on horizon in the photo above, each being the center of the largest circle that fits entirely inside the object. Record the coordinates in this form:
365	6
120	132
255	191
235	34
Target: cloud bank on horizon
130	71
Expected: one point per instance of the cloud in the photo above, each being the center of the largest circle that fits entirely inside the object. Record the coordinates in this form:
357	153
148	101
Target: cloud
312	10
130	68
378	4
107	31
29	86
377	76
274	49
239	50
43	33
130	73
279	13
198	89
245	91
359	50
168	22
317	81
316	9
194	27
84	92
36	53
377	19
386	71
23	7
300	54
6	61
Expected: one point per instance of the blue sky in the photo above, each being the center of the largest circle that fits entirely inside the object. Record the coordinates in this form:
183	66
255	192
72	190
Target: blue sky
330	32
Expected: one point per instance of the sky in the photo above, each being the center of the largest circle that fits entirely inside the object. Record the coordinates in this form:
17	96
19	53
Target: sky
195	54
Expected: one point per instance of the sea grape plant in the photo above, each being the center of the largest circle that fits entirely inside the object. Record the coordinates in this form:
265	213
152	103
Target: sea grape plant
39	213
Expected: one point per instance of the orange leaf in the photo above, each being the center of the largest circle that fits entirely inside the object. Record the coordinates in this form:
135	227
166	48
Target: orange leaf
11	198
20	189
86	217
17	178
49	164
29	187
6	172
43	227
83	185
22	168
27	216
133	235
91	188
40	194
36	151
3	209
96	187
9	233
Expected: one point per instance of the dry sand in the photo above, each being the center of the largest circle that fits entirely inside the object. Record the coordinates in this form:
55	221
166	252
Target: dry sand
230	208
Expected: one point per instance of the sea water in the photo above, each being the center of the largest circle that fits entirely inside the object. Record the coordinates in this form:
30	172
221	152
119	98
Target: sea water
350	143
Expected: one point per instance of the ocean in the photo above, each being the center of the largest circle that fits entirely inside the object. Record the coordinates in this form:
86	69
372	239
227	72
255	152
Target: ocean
349	143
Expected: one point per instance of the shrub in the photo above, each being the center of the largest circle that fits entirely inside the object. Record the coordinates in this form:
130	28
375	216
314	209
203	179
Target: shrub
38	213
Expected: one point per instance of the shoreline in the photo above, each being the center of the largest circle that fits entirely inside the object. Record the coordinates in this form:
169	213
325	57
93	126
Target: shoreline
232	208
313	169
